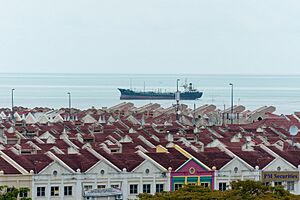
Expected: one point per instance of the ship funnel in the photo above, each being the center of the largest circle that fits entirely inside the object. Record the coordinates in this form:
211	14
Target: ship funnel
190	86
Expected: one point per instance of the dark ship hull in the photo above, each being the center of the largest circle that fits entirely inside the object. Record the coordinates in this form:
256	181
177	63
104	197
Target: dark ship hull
127	94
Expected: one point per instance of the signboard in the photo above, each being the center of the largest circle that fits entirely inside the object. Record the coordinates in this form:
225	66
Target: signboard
280	176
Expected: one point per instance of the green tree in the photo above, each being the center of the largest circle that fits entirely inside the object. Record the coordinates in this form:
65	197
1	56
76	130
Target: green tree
241	190
12	193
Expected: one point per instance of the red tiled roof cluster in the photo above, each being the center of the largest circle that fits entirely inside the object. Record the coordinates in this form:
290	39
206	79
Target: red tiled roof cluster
119	140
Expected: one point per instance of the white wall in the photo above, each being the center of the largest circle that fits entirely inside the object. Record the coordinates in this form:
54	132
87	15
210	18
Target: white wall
227	173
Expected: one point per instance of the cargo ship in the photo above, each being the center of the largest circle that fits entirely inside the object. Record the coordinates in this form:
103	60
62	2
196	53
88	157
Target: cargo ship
189	93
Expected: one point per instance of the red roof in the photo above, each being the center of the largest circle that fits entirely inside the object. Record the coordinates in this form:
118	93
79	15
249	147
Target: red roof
7	168
172	159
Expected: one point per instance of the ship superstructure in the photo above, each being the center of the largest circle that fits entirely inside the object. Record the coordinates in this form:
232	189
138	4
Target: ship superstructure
189	93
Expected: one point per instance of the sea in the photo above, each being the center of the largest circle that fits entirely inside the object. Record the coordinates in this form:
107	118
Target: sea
100	90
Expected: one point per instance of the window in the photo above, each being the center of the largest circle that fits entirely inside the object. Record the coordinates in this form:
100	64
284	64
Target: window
87	187
267	183
277	183
204	185
236	170
177	186
278	168
26	152
54	173
146	188
192	170
101	186
159	187
68	190
133	189
290	185
40	191
115	186
23	192
114	150
222	186
54	191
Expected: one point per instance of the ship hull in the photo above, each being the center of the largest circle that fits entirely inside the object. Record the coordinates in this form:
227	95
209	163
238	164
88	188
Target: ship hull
127	94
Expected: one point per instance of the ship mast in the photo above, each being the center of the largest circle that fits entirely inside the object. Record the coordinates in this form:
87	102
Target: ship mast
130	83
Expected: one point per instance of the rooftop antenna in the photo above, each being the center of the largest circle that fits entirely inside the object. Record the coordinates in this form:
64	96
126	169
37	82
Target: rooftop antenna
293	132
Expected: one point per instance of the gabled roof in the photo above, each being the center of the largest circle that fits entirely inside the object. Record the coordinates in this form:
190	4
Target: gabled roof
291	155
258	157
129	161
7	168
173	159
211	157
82	161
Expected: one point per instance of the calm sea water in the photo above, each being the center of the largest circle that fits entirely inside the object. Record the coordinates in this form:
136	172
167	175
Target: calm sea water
100	90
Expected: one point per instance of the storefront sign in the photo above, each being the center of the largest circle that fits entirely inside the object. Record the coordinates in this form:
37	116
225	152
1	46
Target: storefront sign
280	176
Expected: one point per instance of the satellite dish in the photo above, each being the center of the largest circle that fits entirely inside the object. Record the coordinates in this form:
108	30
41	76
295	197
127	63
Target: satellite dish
293	130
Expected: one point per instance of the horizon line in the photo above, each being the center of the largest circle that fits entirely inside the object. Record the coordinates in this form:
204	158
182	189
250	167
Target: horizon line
111	73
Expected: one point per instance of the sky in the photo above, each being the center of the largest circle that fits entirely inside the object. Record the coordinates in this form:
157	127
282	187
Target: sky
150	36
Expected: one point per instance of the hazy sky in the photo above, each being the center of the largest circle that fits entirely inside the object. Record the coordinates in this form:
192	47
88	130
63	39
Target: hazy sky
150	36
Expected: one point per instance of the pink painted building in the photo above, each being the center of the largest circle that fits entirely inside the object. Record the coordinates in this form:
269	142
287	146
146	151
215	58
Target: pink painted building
192	172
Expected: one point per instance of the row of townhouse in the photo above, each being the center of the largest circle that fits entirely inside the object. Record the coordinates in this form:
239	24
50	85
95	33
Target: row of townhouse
53	175
105	155
152	112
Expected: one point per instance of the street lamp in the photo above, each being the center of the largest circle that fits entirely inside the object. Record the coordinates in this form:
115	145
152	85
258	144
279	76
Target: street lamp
12	104
231	117
69	104
177	97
